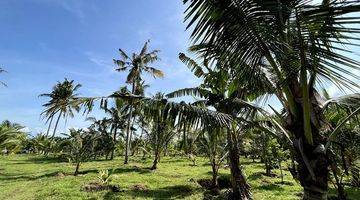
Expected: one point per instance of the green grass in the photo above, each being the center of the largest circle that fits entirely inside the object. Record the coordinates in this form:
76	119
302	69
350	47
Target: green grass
34	177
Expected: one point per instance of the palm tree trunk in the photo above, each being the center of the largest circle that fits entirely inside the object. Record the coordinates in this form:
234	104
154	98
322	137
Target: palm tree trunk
240	188
215	184
56	125
185	138
127	143
48	130
156	159
114	140
281	171
53	135
77	169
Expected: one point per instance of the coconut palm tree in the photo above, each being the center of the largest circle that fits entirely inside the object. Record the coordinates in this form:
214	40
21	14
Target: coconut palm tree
229	95
297	45
11	136
62	102
137	64
117	120
212	141
161	132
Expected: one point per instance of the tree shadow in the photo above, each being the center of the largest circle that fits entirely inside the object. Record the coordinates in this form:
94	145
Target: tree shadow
352	193
270	187
43	160
170	192
5	177
255	176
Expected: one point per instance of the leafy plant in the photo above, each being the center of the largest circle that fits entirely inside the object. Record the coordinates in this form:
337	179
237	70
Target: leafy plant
105	176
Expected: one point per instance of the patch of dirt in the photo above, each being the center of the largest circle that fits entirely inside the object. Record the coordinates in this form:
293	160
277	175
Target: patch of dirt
95	187
140	187
60	175
223	182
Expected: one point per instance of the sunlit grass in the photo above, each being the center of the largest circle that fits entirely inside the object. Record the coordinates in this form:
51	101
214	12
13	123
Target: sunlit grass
33	177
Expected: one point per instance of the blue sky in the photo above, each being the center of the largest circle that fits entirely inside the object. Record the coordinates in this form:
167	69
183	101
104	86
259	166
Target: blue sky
43	41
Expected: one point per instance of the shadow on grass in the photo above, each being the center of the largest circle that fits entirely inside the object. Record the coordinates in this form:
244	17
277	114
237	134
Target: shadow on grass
170	192
270	187
81	172
352	193
255	176
7	177
40	160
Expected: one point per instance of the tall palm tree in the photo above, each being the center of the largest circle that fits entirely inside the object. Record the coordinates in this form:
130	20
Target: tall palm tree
297	45
137	64
62	102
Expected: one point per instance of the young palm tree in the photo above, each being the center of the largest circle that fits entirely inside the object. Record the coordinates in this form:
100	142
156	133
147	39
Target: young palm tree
298	46
227	94
11	136
212	141
137	64
62	102
161	133
117	121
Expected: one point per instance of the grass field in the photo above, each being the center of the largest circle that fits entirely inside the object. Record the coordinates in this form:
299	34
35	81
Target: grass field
33	177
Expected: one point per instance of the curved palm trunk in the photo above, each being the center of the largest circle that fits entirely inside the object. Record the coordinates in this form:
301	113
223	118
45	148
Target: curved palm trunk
156	160
56	125
54	132
48	130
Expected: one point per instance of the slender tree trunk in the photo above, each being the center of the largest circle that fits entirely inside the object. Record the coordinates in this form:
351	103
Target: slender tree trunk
77	169
156	159
215	184
240	188
267	167
281	171
114	140
53	135
339	186
48	130
185	138
56	125
127	143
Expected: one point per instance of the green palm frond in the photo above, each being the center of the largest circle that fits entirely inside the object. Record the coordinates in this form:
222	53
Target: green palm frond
192	65
196	92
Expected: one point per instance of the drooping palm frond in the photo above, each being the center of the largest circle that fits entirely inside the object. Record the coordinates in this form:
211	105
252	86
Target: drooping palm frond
155	72
192	65
172	111
196	92
351	101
